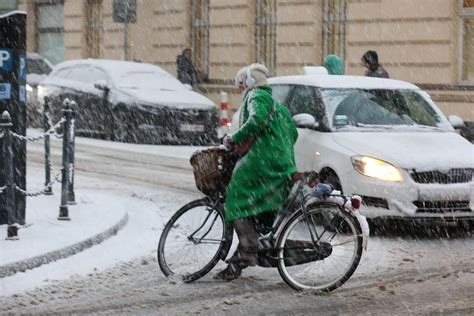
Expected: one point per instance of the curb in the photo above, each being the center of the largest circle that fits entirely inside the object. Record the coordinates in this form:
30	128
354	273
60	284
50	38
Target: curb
34	262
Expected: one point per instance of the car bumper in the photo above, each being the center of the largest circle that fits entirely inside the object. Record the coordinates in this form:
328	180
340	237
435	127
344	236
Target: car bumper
197	127
409	199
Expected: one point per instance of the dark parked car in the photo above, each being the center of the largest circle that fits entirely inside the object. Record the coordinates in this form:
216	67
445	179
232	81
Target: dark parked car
131	102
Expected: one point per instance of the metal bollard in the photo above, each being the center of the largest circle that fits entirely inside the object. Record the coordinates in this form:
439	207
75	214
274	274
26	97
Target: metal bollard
72	145
63	208
5	126
47	148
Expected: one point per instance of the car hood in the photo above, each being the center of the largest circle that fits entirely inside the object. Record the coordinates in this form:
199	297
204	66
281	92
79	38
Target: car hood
182	99
35	79
421	151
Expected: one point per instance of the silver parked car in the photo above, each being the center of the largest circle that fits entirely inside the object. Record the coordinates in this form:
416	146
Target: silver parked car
131	102
37	69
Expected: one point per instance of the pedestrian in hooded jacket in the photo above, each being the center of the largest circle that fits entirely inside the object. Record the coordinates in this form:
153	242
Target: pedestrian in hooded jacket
371	62
334	65
185	70
261	179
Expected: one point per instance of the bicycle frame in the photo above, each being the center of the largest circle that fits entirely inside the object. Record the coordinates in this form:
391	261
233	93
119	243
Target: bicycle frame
299	199
295	204
287	210
215	201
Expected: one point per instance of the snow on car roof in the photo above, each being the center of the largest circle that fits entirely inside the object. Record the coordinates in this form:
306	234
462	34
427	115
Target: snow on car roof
355	82
12	13
113	67
34	56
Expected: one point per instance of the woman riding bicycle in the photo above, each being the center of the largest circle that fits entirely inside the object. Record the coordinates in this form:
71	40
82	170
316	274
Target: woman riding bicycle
261	179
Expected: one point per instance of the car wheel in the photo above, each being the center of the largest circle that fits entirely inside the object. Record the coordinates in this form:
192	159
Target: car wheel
330	177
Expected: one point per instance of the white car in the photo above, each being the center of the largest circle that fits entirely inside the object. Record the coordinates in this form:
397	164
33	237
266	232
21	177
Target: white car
384	140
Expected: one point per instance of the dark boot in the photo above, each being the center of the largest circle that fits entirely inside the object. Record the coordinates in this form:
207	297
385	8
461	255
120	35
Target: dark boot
242	258
232	272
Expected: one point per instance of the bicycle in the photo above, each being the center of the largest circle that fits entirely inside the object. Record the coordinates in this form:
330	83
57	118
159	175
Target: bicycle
306	243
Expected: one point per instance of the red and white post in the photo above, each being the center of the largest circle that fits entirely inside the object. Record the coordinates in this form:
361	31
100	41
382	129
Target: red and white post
224	118
224	121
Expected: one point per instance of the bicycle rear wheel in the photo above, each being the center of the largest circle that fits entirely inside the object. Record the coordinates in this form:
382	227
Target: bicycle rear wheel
194	240
319	250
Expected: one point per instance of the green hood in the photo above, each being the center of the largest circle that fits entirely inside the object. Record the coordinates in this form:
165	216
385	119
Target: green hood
334	65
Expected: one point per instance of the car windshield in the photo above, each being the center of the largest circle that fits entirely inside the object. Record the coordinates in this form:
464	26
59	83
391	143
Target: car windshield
149	80
37	66
358	108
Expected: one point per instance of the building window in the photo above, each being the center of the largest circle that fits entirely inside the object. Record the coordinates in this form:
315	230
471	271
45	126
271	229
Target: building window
8	5
50	31
94	27
334	27
467	66
200	36
265	34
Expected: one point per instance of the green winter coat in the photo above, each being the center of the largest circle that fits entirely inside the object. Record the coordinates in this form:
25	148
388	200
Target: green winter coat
260	181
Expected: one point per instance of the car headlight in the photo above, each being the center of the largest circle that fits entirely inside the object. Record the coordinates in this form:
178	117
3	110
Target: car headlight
40	92
375	168
29	88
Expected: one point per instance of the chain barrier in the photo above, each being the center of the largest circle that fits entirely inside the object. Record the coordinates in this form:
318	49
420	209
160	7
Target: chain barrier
50	131
50	123
45	190
65	176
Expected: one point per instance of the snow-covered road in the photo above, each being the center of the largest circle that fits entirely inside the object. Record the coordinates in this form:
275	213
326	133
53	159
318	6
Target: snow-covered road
397	275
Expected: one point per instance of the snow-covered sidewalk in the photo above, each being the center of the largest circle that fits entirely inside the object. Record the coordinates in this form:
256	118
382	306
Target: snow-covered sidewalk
100	207
44	238
113	221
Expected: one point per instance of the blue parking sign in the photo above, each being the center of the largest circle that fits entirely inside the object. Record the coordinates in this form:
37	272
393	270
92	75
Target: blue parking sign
6	59
22	94
5	91
22	66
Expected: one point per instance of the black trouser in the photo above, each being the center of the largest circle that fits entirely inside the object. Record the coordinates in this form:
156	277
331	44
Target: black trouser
248	230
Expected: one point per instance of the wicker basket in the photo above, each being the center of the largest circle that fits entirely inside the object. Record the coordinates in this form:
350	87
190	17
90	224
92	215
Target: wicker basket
212	169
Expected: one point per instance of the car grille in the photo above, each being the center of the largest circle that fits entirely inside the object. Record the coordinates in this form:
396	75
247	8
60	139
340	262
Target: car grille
442	206
177	126
453	176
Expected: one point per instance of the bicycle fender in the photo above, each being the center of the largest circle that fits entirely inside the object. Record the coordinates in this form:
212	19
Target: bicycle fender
364	225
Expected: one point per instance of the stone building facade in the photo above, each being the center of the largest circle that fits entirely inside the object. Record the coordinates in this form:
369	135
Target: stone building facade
429	43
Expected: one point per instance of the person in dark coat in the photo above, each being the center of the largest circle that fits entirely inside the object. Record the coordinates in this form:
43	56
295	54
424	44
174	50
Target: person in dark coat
185	69
371	62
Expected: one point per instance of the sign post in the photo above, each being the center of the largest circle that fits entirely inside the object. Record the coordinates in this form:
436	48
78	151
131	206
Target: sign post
13	100
125	11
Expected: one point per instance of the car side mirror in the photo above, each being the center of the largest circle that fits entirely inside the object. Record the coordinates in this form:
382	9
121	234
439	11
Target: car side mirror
102	85
456	121
305	120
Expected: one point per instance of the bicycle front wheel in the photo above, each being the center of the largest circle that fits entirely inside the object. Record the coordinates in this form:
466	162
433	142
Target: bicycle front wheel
319	250
194	240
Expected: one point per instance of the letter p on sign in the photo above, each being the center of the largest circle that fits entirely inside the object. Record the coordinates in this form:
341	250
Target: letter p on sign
5	59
